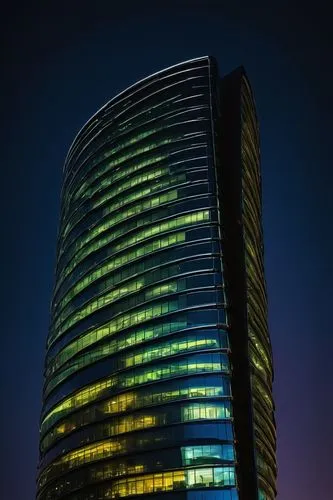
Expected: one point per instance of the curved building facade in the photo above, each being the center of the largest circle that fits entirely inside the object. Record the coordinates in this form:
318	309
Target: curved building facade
158	369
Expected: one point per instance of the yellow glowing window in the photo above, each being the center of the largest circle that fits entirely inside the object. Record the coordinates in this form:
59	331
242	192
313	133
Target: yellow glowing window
110	297
118	161
83	397
130	197
122	215
117	262
79	399
115	345
162	227
132	400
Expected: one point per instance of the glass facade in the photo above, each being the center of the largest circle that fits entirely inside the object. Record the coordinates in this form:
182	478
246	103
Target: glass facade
139	373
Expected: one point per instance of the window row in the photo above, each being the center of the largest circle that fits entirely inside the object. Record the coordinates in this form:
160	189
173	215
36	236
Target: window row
128	339
162	227
115	198
121	131
256	281
253	253
171	136
118	261
96	190
157	417
178	367
168	140
94	260
143	258
143	269
133	299
260	348
118	174
207	454
135	317
143	104
112	150
75	165
135	293
258	365
150	461
124	321
84	219
146	182
192	364
184	168
129	155
259	329
116	216
197	314
251	216
251	188
110	194
134	443
176	345
256	310
197	387
129	224
171	481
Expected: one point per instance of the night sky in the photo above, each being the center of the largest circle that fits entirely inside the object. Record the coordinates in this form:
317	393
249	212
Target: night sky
61	63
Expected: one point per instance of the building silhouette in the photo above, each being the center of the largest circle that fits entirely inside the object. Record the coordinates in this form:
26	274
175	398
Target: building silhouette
158	373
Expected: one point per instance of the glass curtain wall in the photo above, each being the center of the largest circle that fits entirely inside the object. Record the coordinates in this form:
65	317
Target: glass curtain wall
137	396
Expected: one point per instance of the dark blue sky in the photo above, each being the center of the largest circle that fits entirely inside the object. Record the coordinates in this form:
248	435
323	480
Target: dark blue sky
61	63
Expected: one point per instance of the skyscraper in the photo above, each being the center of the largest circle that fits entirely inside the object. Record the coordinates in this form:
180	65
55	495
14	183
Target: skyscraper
158	374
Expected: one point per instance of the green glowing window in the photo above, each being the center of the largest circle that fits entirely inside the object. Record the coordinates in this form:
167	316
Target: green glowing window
198	455
123	173
183	366
223	476
118	161
130	401
151	483
125	158
118	261
130	339
175	223
121	216
118	293
207	454
189	343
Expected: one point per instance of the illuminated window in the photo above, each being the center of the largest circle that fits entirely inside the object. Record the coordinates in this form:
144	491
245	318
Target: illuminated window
118	216
162	227
130	339
207	410
182	366
207	454
116	262
136	400
118	293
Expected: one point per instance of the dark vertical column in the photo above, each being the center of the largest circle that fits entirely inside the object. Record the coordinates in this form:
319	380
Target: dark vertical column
230	185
